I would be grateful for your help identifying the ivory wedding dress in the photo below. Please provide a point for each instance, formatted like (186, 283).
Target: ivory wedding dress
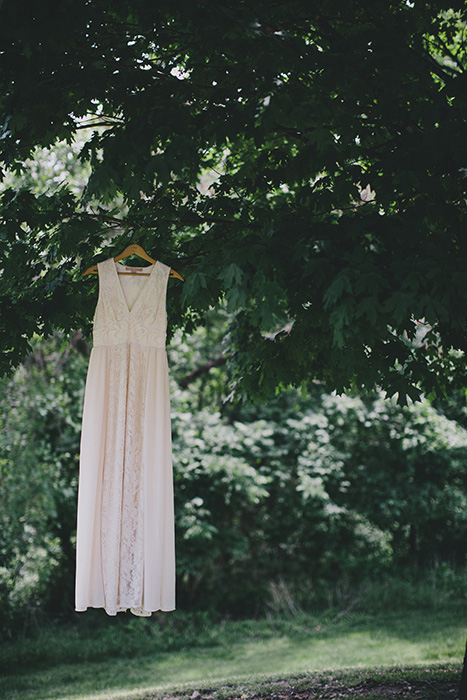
(125, 555)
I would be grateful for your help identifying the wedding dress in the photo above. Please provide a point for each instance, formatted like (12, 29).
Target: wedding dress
(125, 555)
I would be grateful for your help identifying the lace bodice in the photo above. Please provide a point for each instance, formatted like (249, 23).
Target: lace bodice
(116, 322)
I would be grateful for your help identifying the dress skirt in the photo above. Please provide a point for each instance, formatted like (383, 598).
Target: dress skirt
(125, 540)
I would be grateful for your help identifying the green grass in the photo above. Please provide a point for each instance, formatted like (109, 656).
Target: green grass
(132, 658)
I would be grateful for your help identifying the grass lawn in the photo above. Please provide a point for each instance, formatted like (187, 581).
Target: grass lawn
(305, 657)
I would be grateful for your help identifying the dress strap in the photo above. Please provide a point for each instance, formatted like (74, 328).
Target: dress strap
(109, 297)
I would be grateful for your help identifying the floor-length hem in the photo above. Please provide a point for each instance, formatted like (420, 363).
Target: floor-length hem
(145, 613)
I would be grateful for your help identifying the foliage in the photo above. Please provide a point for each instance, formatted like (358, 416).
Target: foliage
(318, 490)
(41, 424)
(302, 161)
(294, 504)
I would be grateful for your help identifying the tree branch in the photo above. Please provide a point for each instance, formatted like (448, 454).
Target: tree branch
(442, 46)
(194, 220)
(217, 362)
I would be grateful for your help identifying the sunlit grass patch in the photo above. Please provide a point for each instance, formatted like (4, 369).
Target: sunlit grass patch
(128, 659)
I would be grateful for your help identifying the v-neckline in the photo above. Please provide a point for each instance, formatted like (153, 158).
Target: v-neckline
(142, 290)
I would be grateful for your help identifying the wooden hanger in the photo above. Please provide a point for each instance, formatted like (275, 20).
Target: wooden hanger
(133, 249)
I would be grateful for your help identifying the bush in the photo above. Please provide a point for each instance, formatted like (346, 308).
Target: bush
(293, 504)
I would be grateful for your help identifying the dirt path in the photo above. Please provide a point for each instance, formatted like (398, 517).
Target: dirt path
(422, 684)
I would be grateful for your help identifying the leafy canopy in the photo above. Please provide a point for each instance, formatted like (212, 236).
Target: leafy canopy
(303, 163)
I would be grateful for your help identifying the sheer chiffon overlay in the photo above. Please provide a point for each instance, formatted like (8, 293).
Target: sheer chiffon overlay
(125, 553)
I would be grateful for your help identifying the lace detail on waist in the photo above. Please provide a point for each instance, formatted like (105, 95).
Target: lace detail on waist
(130, 335)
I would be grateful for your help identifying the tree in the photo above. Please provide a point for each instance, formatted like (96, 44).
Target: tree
(304, 161)
(39, 453)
